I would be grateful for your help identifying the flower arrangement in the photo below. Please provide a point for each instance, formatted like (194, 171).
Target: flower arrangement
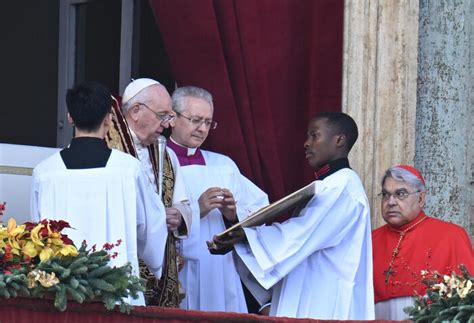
(447, 298)
(27, 243)
(37, 260)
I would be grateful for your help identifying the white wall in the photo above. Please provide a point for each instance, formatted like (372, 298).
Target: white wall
(16, 164)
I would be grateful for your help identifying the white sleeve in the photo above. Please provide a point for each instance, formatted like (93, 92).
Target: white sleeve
(180, 195)
(274, 251)
(186, 213)
(152, 232)
(249, 197)
(34, 196)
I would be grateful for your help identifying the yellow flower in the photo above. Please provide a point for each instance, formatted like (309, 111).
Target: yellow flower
(29, 249)
(35, 237)
(14, 233)
(3, 232)
(46, 253)
(13, 229)
(55, 239)
(68, 250)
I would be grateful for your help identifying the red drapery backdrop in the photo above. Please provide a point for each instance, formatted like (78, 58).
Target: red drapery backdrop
(270, 65)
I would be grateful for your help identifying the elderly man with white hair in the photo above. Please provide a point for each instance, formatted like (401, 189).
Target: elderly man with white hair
(146, 112)
(411, 242)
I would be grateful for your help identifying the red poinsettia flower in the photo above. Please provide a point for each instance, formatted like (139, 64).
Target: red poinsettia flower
(29, 226)
(58, 225)
(8, 253)
(43, 232)
(66, 239)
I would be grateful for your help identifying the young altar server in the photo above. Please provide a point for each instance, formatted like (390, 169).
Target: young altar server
(318, 263)
(103, 193)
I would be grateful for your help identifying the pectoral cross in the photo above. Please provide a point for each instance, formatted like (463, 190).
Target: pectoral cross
(395, 252)
(388, 273)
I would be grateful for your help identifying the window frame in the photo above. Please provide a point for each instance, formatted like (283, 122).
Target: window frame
(67, 58)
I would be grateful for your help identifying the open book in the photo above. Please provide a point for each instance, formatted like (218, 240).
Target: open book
(269, 212)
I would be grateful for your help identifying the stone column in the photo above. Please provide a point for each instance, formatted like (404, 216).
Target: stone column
(444, 135)
(379, 87)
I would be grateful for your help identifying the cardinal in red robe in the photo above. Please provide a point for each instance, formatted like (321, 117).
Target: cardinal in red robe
(411, 242)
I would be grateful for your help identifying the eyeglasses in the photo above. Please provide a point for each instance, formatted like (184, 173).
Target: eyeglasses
(198, 122)
(399, 195)
(162, 117)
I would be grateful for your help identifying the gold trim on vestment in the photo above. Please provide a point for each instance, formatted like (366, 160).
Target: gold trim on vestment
(165, 291)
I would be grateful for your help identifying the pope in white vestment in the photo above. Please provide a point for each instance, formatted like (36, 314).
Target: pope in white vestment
(318, 264)
(211, 281)
(104, 204)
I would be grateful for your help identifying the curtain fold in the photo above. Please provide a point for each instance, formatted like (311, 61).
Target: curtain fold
(270, 65)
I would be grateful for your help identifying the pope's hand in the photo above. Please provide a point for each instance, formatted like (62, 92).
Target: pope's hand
(173, 218)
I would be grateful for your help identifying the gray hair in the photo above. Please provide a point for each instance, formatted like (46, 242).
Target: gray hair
(179, 97)
(402, 175)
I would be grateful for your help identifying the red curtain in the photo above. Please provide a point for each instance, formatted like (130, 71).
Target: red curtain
(270, 65)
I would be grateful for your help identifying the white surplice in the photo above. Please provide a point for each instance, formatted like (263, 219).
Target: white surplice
(211, 281)
(104, 205)
(180, 198)
(319, 263)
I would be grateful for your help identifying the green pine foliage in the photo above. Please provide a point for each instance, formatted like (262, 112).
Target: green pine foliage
(86, 277)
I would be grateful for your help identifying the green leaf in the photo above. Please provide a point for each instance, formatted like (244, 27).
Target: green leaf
(74, 283)
(99, 271)
(77, 295)
(60, 301)
(102, 284)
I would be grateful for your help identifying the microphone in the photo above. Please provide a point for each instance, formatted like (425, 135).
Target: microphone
(161, 157)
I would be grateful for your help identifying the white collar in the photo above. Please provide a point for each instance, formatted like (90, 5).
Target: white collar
(138, 144)
(190, 151)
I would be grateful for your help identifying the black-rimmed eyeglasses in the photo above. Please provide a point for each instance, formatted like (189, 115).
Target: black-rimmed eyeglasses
(198, 122)
(162, 117)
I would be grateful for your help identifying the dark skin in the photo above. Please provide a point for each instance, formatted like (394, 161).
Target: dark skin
(323, 144)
